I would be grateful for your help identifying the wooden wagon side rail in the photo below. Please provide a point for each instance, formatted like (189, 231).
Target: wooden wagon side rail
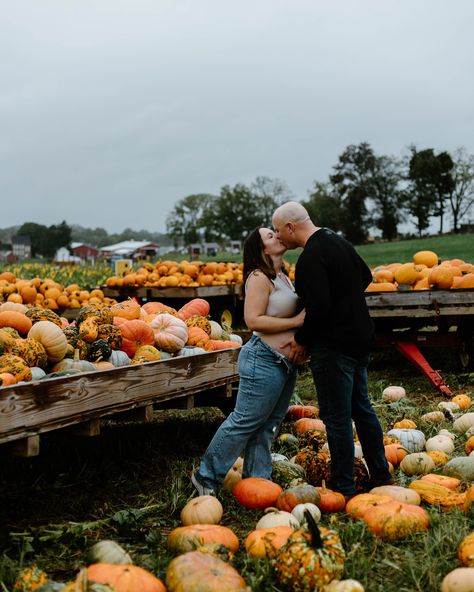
(37, 407)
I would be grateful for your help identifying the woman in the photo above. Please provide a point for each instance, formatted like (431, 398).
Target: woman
(267, 377)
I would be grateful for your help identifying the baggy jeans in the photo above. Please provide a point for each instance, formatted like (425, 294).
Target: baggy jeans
(267, 380)
(342, 392)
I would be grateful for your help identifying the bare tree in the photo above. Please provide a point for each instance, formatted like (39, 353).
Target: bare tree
(461, 198)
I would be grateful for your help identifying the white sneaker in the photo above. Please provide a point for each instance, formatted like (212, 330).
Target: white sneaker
(200, 488)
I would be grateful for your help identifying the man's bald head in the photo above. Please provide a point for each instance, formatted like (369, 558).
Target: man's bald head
(291, 211)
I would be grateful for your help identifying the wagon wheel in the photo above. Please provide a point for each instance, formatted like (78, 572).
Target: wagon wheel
(464, 357)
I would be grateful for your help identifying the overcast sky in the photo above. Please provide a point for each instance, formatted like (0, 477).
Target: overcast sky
(111, 111)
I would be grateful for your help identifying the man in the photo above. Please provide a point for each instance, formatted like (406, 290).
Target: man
(338, 333)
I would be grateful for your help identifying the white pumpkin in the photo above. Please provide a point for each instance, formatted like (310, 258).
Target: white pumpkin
(274, 517)
(236, 338)
(433, 417)
(190, 350)
(443, 443)
(398, 493)
(411, 439)
(107, 551)
(449, 406)
(417, 463)
(278, 456)
(216, 330)
(344, 586)
(393, 393)
(460, 579)
(464, 422)
(447, 433)
(299, 510)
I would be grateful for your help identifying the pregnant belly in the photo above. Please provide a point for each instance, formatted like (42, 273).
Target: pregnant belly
(278, 341)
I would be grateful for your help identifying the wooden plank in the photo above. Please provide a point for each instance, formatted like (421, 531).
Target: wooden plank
(143, 414)
(86, 429)
(24, 447)
(41, 406)
(422, 313)
(420, 298)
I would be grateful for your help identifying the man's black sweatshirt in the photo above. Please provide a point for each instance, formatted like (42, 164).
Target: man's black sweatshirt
(330, 279)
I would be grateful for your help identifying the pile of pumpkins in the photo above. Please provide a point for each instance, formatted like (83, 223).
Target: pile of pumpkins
(425, 272)
(47, 293)
(36, 343)
(180, 274)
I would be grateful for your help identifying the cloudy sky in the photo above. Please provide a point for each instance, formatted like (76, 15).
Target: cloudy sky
(111, 111)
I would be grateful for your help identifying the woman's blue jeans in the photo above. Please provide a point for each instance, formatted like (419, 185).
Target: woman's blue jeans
(267, 380)
(341, 386)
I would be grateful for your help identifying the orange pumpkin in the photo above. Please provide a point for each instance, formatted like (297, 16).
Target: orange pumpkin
(197, 336)
(7, 379)
(216, 344)
(256, 492)
(154, 307)
(189, 538)
(329, 500)
(305, 424)
(16, 320)
(128, 309)
(298, 411)
(124, 578)
(266, 542)
(395, 453)
(198, 571)
(196, 306)
(135, 333)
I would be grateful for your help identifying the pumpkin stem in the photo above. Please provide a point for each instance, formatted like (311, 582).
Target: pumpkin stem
(323, 486)
(316, 540)
(76, 354)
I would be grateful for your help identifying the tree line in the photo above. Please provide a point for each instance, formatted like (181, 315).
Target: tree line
(365, 193)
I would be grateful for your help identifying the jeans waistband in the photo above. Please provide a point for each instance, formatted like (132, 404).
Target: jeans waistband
(255, 339)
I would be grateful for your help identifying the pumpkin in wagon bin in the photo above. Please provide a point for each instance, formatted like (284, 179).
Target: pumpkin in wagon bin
(15, 365)
(128, 309)
(135, 333)
(16, 320)
(196, 306)
(52, 338)
(310, 559)
(170, 332)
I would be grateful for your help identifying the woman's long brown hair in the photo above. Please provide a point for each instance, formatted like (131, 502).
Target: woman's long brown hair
(255, 259)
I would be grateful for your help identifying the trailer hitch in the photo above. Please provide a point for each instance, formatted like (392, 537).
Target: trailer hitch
(414, 355)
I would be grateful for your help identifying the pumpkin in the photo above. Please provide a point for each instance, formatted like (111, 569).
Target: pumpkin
(438, 495)
(216, 330)
(197, 336)
(287, 444)
(170, 332)
(461, 467)
(11, 364)
(266, 542)
(196, 306)
(399, 494)
(443, 443)
(190, 350)
(32, 351)
(7, 341)
(445, 481)
(274, 517)
(428, 258)
(108, 552)
(464, 422)
(329, 500)
(216, 344)
(51, 337)
(305, 424)
(7, 379)
(30, 578)
(298, 494)
(128, 309)
(89, 329)
(464, 401)
(285, 472)
(119, 358)
(103, 365)
(395, 453)
(234, 474)
(200, 322)
(358, 505)
(204, 509)
(149, 352)
(411, 439)
(16, 320)
(124, 578)
(433, 417)
(310, 559)
(135, 333)
(16, 306)
(202, 572)
(449, 406)
(417, 463)
(99, 350)
(256, 492)
(344, 586)
(299, 512)
(469, 445)
(466, 550)
(439, 457)
(393, 393)
(298, 411)
(188, 538)
(111, 334)
(408, 424)
(394, 520)
(460, 579)
(75, 363)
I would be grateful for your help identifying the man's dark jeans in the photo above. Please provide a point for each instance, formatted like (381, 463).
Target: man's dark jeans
(341, 385)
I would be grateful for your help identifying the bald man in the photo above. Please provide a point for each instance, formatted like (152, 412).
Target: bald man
(338, 334)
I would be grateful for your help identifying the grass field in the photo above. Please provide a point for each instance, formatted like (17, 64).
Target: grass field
(130, 483)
